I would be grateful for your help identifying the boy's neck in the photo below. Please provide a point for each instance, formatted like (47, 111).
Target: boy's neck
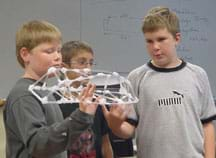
(27, 75)
(174, 64)
(179, 66)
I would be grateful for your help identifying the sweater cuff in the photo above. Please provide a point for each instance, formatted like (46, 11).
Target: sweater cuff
(82, 117)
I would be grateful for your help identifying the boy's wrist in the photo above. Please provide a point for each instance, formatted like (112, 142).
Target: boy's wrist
(82, 116)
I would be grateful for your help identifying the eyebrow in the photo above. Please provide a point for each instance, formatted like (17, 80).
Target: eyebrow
(83, 58)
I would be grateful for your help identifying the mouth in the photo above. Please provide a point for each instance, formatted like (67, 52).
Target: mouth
(158, 56)
(57, 66)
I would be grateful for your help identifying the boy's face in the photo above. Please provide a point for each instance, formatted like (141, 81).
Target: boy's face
(161, 46)
(82, 60)
(41, 58)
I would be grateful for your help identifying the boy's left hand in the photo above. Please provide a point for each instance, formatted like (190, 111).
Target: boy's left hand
(88, 104)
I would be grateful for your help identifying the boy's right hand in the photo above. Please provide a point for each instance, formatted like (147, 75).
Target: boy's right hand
(88, 104)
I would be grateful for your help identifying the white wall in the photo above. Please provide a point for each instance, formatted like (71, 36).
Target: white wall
(65, 14)
(113, 28)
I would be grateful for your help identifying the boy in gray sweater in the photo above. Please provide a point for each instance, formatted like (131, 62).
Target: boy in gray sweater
(33, 129)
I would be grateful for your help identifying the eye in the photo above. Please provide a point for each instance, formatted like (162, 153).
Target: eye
(149, 41)
(82, 62)
(49, 50)
(59, 50)
(161, 39)
(92, 62)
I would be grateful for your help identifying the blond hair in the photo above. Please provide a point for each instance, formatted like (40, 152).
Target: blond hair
(161, 17)
(33, 33)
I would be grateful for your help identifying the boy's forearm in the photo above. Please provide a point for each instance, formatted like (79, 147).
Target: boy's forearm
(106, 147)
(61, 136)
(125, 131)
(209, 140)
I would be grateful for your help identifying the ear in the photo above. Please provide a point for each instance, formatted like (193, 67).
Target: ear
(24, 54)
(178, 37)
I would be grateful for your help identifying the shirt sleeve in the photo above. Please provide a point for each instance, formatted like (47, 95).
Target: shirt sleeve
(41, 138)
(208, 112)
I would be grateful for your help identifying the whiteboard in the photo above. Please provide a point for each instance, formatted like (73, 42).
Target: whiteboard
(65, 14)
(113, 28)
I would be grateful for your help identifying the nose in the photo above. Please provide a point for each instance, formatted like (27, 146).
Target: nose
(88, 65)
(155, 45)
(57, 56)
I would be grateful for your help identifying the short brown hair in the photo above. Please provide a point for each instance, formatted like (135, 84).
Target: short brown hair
(161, 17)
(72, 48)
(33, 33)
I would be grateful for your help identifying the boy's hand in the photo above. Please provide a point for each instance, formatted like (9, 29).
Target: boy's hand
(115, 116)
(88, 104)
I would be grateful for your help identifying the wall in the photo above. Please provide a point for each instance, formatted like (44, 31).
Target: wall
(113, 28)
(64, 13)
